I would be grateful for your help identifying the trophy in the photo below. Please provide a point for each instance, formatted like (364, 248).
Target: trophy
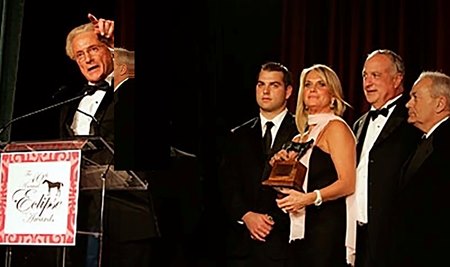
(291, 173)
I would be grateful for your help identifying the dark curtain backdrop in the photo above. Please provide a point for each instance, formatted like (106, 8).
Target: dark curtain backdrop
(11, 14)
(197, 63)
(125, 24)
(341, 34)
(43, 66)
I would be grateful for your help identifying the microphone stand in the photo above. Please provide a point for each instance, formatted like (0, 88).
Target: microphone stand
(85, 92)
(8, 256)
(100, 233)
(102, 207)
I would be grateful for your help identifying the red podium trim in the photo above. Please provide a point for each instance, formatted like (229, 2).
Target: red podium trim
(39, 197)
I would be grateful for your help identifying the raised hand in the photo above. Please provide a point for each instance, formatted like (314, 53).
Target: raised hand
(104, 28)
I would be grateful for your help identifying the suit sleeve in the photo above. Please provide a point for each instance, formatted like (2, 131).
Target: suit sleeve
(230, 181)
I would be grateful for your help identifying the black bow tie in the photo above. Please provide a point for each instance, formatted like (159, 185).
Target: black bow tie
(384, 111)
(90, 89)
(102, 85)
(374, 113)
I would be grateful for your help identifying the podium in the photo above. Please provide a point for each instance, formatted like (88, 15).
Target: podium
(43, 184)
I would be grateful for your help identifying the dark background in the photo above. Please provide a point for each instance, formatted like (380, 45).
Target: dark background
(197, 63)
(197, 60)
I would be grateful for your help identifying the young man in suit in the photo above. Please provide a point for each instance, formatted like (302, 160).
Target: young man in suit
(422, 205)
(258, 231)
(384, 141)
(129, 221)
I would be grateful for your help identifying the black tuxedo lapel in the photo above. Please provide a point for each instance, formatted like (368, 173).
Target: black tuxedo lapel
(103, 111)
(116, 97)
(393, 122)
(257, 143)
(66, 118)
(397, 117)
(68, 113)
(106, 101)
(361, 131)
(284, 134)
(424, 149)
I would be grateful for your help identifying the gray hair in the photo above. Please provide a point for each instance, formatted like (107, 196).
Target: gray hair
(124, 56)
(397, 61)
(440, 84)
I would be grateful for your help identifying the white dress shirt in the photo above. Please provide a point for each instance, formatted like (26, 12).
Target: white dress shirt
(362, 171)
(87, 108)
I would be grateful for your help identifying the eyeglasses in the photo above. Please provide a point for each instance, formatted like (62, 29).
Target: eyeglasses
(92, 50)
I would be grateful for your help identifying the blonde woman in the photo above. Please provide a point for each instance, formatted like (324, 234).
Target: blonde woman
(318, 213)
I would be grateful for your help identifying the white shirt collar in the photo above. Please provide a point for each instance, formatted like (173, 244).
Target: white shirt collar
(108, 79)
(388, 102)
(276, 120)
(119, 84)
(435, 126)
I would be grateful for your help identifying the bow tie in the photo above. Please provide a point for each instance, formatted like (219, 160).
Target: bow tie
(374, 113)
(90, 89)
(383, 112)
(102, 85)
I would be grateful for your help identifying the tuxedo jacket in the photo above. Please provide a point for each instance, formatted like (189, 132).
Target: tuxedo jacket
(392, 147)
(241, 172)
(128, 214)
(125, 135)
(103, 121)
(422, 209)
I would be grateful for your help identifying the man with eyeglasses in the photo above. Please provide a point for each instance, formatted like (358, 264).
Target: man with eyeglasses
(92, 52)
(129, 223)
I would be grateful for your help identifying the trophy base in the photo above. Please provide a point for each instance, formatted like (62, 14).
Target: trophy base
(287, 174)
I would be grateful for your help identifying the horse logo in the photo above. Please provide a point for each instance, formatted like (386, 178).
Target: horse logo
(51, 185)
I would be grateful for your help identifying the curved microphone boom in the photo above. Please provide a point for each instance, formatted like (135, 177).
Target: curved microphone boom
(84, 92)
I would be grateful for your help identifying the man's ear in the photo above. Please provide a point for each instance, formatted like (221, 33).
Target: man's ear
(398, 80)
(441, 104)
(123, 69)
(288, 91)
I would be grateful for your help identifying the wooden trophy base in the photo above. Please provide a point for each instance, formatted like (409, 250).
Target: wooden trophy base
(287, 174)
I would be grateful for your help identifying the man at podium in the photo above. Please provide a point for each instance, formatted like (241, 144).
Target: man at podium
(129, 223)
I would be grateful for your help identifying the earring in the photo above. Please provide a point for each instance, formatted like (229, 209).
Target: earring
(332, 103)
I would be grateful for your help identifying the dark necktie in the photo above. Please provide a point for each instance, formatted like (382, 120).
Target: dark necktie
(267, 139)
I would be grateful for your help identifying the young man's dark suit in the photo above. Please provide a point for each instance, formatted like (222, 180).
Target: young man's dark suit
(422, 206)
(129, 217)
(241, 172)
(386, 157)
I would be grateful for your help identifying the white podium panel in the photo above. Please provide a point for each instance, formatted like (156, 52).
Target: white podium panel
(39, 197)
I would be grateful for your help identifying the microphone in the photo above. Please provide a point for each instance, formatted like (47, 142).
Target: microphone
(84, 92)
(89, 90)
(61, 90)
(89, 115)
